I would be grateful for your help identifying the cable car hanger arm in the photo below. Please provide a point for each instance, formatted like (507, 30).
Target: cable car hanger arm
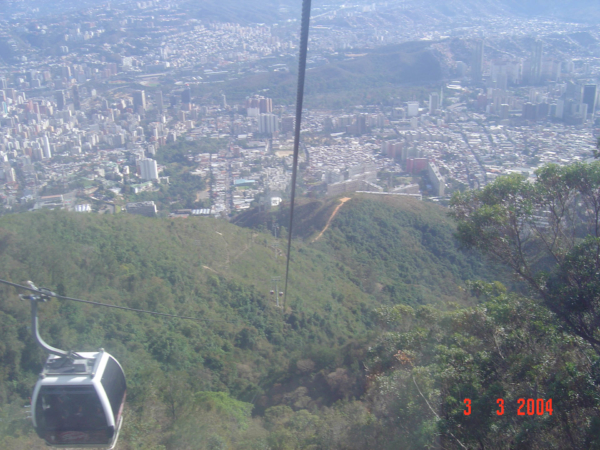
(35, 330)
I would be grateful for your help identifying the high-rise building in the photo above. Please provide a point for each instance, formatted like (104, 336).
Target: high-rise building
(10, 174)
(268, 123)
(265, 105)
(65, 72)
(579, 112)
(412, 108)
(543, 109)
(3, 83)
(76, 101)
(186, 95)
(530, 111)
(47, 151)
(37, 153)
(434, 103)
(147, 208)
(560, 108)
(139, 101)
(158, 98)
(569, 67)
(589, 98)
(502, 81)
(551, 69)
(11, 93)
(148, 169)
(60, 100)
(574, 91)
(392, 149)
(361, 124)
(436, 179)
(536, 62)
(416, 165)
(477, 63)
(533, 95)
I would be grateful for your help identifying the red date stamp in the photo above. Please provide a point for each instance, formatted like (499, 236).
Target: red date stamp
(526, 407)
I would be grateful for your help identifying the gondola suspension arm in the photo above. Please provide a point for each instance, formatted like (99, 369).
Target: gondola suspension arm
(35, 330)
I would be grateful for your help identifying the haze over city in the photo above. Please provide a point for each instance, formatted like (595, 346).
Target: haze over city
(403, 98)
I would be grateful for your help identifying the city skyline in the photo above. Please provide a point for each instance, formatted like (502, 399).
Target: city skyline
(91, 113)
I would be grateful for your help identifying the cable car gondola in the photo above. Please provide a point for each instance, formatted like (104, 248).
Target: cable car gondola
(78, 401)
(79, 397)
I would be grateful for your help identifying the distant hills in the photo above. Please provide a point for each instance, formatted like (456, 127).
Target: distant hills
(358, 71)
(575, 10)
(243, 12)
(271, 11)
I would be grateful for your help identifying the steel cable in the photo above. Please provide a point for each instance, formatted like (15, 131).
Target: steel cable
(299, 99)
(48, 293)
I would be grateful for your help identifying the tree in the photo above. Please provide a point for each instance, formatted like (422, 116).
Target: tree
(548, 233)
(212, 420)
(427, 362)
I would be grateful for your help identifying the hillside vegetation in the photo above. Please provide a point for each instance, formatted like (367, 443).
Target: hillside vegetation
(397, 248)
(255, 354)
(385, 343)
(341, 82)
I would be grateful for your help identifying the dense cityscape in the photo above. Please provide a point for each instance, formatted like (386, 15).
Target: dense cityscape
(94, 105)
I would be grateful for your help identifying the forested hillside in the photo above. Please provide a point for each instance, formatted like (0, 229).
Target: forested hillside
(398, 249)
(307, 357)
(382, 340)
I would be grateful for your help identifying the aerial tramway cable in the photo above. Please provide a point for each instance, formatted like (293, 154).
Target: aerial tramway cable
(48, 293)
(299, 98)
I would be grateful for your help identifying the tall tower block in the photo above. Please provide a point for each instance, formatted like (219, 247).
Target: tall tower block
(477, 61)
(536, 62)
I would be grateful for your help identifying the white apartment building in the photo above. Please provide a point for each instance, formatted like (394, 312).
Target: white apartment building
(148, 169)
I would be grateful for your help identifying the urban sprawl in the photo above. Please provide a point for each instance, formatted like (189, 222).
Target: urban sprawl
(83, 119)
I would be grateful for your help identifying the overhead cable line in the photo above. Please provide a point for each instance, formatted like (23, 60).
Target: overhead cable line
(299, 98)
(48, 293)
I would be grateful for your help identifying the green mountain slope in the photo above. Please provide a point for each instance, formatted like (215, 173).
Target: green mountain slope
(198, 267)
(374, 253)
(396, 248)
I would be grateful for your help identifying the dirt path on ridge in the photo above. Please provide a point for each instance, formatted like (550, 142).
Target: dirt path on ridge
(343, 200)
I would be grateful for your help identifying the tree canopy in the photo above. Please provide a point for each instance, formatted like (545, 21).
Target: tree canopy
(548, 232)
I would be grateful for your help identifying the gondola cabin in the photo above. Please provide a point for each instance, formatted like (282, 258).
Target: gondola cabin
(78, 401)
